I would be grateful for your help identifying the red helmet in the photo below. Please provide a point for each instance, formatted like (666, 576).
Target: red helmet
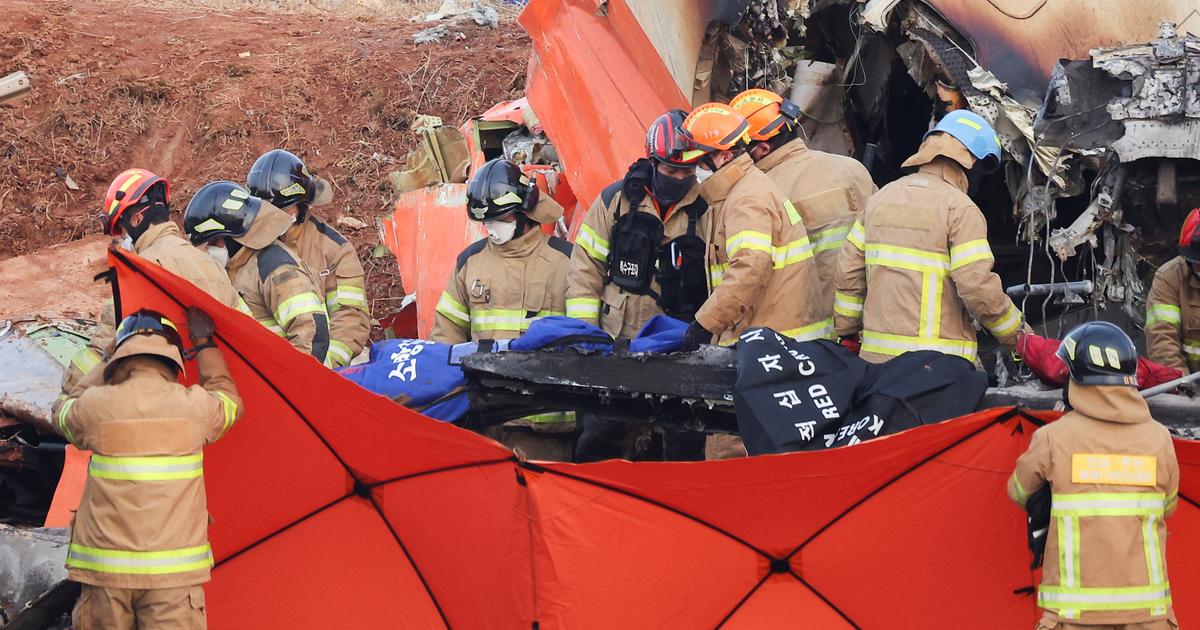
(128, 190)
(1189, 237)
(666, 140)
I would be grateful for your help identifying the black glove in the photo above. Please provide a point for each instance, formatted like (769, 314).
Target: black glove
(200, 326)
(1037, 510)
(695, 336)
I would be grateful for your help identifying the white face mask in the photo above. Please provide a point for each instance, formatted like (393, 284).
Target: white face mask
(219, 254)
(500, 232)
(127, 243)
(702, 174)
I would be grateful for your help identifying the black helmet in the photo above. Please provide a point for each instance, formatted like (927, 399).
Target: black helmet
(219, 209)
(281, 178)
(1100, 353)
(498, 189)
(146, 333)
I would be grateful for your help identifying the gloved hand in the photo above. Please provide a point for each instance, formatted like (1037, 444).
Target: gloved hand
(1039, 354)
(200, 326)
(851, 343)
(695, 336)
(1150, 374)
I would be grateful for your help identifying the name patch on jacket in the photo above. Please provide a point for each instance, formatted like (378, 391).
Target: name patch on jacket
(1114, 470)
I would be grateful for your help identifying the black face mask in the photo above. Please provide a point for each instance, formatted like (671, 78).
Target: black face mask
(669, 190)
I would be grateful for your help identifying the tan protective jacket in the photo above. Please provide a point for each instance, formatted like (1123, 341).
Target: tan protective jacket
(333, 259)
(497, 291)
(164, 245)
(1173, 317)
(143, 519)
(278, 288)
(590, 297)
(1113, 477)
(760, 262)
(829, 191)
(917, 265)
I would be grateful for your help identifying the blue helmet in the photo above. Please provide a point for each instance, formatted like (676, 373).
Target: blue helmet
(975, 133)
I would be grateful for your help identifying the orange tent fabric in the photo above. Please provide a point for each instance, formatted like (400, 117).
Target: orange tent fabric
(334, 507)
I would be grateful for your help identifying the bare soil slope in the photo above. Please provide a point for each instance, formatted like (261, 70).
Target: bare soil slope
(172, 88)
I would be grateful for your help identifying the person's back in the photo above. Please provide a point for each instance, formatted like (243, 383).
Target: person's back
(917, 266)
(1113, 477)
(139, 542)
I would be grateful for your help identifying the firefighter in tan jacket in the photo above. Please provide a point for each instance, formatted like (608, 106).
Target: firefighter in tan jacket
(616, 285)
(282, 179)
(917, 265)
(760, 261)
(1173, 307)
(828, 190)
(279, 289)
(1113, 480)
(139, 542)
(137, 211)
(502, 283)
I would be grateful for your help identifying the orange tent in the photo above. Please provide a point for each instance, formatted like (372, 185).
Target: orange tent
(334, 507)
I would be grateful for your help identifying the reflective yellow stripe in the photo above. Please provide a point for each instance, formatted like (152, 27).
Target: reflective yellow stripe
(907, 258)
(1191, 347)
(748, 239)
(969, 252)
(583, 308)
(931, 305)
(231, 410)
(895, 345)
(147, 468)
(270, 325)
(1163, 313)
(63, 412)
(794, 252)
(716, 274)
(548, 313)
(1006, 325)
(831, 238)
(139, 562)
(85, 360)
(551, 418)
(242, 307)
(591, 243)
(453, 310)
(1154, 556)
(339, 354)
(1069, 601)
(346, 295)
(818, 330)
(298, 305)
(792, 215)
(1022, 496)
(857, 236)
(847, 305)
(1109, 504)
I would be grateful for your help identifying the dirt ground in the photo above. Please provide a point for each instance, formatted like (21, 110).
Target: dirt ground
(196, 91)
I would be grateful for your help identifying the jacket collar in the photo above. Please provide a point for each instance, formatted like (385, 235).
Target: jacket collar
(155, 232)
(269, 225)
(946, 170)
(716, 188)
(1110, 403)
(791, 150)
(522, 246)
(140, 367)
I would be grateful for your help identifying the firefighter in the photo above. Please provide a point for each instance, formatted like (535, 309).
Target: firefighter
(505, 281)
(643, 228)
(827, 190)
(282, 179)
(640, 252)
(136, 214)
(1173, 307)
(916, 265)
(760, 261)
(139, 542)
(278, 288)
(1113, 478)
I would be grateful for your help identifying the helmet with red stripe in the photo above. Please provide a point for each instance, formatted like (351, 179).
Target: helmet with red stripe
(667, 141)
(134, 187)
(1189, 237)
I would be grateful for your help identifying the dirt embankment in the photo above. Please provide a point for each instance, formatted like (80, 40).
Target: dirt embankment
(196, 95)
